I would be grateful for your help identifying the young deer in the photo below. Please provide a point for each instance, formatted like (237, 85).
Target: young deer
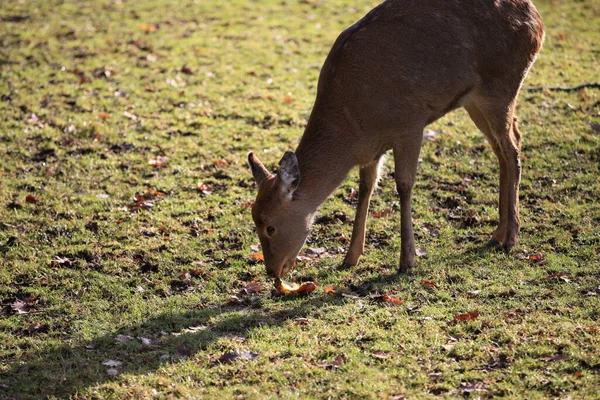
(401, 67)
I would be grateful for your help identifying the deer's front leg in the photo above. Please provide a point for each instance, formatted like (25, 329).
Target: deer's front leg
(368, 181)
(406, 159)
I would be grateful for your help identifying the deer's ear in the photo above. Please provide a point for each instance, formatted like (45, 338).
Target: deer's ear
(259, 172)
(289, 173)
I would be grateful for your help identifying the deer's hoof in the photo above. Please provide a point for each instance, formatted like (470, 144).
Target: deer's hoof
(492, 244)
(346, 265)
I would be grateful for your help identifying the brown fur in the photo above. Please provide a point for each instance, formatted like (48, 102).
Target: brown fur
(401, 67)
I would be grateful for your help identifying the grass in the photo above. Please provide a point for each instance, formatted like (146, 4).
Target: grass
(102, 100)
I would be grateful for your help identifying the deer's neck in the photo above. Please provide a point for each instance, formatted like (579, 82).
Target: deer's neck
(324, 160)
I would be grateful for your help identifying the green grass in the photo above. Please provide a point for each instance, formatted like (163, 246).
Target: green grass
(114, 84)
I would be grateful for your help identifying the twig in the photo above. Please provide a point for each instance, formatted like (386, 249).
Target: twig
(595, 85)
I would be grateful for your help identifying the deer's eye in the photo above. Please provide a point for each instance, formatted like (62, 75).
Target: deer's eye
(270, 230)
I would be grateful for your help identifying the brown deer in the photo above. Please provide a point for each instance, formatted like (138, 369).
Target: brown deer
(401, 67)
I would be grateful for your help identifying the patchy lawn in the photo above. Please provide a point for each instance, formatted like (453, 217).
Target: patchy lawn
(127, 251)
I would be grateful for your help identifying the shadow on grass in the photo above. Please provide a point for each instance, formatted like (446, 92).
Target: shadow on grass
(66, 370)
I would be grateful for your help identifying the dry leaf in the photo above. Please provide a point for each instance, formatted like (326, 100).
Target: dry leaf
(428, 284)
(381, 355)
(123, 338)
(473, 293)
(421, 251)
(204, 188)
(31, 199)
(285, 288)
(159, 161)
(339, 360)
(389, 299)
(147, 27)
(233, 356)
(466, 317)
(253, 288)
(258, 256)
(112, 363)
(329, 289)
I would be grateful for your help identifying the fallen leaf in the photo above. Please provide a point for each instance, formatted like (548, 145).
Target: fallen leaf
(112, 363)
(560, 357)
(473, 293)
(428, 284)
(389, 299)
(147, 27)
(37, 327)
(145, 341)
(204, 188)
(302, 321)
(258, 256)
(221, 163)
(130, 115)
(253, 288)
(381, 355)
(159, 161)
(20, 307)
(233, 356)
(382, 214)
(112, 372)
(421, 251)
(329, 289)
(104, 116)
(537, 259)
(472, 387)
(285, 288)
(123, 338)
(183, 350)
(31, 199)
(337, 361)
(466, 317)
(316, 251)
(187, 70)
(430, 134)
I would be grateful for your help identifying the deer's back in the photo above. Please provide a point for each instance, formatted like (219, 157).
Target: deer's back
(416, 59)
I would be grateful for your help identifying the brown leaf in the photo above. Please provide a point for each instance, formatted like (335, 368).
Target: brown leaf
(183, 350)
(421, 251)
(392, 300)
(382, 214)
(104, 116)
(221, 163)
(381, 355)
(329, 289)
(31, 199)
(187, 70)
(466, 317)
(337, 361)
(428, 284)
(303, 290)
(253, 288)
(20, 307)
(258, 256)
(538, 259)
(560, 357)
(159, 161)
(233, 356)
(204, 188)
(147, 27)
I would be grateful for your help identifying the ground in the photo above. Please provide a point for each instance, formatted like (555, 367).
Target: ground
(129, 265)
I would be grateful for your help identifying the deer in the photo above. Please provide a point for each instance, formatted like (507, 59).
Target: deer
(404, 65)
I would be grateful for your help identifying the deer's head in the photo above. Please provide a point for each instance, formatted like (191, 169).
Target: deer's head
(282, 220)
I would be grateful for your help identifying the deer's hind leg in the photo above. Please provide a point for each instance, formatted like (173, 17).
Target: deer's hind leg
(495, 118)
